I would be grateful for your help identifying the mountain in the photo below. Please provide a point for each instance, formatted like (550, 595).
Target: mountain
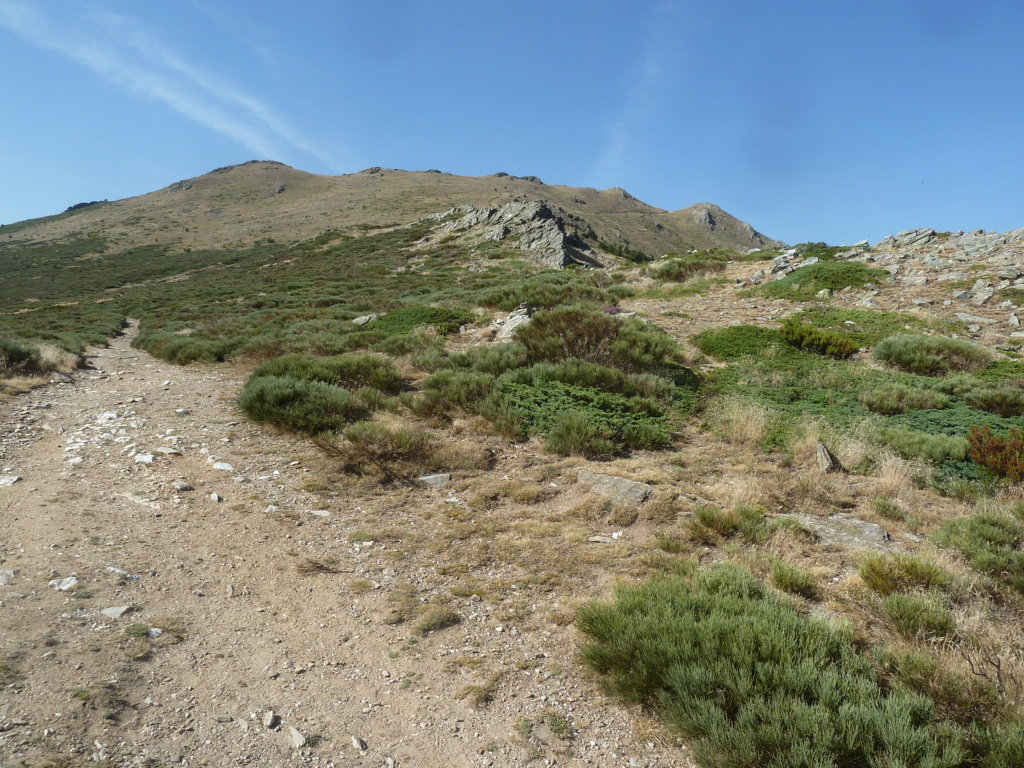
(248, 203)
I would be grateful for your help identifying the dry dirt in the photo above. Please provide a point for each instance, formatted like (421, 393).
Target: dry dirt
(244, 629)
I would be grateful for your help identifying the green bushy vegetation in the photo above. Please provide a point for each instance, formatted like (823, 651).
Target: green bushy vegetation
(352, 370)
(679, 269)
(405, 319)
(867, 327)
(887, 574)
(817, 340)
(803, 284)
(18, 358)
(991, 543)
(736, 341)
(917, 616)
(634, 255)
(931, 355)
(894, 399)
(310, 407)
(747, 680)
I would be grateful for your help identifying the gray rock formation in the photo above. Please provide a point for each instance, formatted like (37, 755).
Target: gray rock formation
(621, 492)
(551, 236)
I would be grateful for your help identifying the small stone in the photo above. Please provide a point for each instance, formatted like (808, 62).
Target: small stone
(827, 462)
(167, 450)
(364, 319)
(320, 512)
(270, 719)
(216, 498)
(144, 458)
(8, 480)
(358, 743)
(63, 585)
(116, 612)
(223, 718)
(223, 466)
(180, 486)
(600, 539)
(182, 411)
(621, 491)
(968, 318)
(1014, 321)
(75, 461)
(437, 481)
(6, 577)
(297, 739)
(154, 633)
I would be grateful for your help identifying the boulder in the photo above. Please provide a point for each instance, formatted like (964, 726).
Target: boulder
(846, 532)
(621, 492)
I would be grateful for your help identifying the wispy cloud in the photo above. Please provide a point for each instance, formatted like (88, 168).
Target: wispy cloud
(640, 101)
(126, 53)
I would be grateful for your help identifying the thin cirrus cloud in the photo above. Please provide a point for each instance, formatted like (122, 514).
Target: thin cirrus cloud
(122, 51)
(641, 99)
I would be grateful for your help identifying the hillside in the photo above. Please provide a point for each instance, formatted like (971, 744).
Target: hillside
(244, 204)
(417, 485)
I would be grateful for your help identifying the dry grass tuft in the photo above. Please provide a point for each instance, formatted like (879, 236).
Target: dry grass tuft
(741, 423)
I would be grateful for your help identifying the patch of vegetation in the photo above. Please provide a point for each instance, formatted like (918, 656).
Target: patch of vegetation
(634, 255)
(350, 370)
(991, 543)
(1003, 455)
(20, 359)
(803, 284)
(895, 399)
(747, 680)
(917, 616)
(796, 581)
(736, 341)
(806, 337)
(867, 327)
(405, 319)
(300, 405)
(679, 269)
(889, 574)
(931, 355)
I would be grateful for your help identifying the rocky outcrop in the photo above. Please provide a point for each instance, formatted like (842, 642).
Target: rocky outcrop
(549, 235)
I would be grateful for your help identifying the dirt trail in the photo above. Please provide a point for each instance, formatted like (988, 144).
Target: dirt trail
(242, 631)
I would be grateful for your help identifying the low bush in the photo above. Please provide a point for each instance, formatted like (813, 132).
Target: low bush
(1003, 455)
(546, 290)
(916, 616)
(895, 398)
(404, 319)
(817, 340)
(683, 268)
(991, 543)
(351, 370)
(865, 327)
(460, 387)
(748, 681)
(374, 448)
(748, 521)
(1003, 400)
(587, 334)
(803, 284)
(311, 407)
(574, 432)
(18, 358)
(794, 580)
(914, 444)
(888, 574)
(736, 341)
(931, 355)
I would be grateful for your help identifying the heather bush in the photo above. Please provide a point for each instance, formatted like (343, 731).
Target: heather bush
(931, 355)
(1002, 455)
(351, 370)
(895, 398)
(991, 543)
(300, 405)
(817, 340)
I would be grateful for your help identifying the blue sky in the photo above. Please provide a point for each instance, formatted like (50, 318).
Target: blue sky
(829, 121)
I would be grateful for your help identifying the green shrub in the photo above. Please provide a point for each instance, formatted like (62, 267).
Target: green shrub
(305, 406)
(794, 580)
(578, 332)
(931, 355)
(574, 432)
(391, 451)
(816, 340)
(746, 520)
(546, 290)
(914, 444)
(635, 422)
(916, 616)
(864, 327)
(1003, 400)
(991, 543)
(887, 574)
(352, 370)
(748, 681)
(803, 284)
(895, 398)
(580, 373)
(888, 508)
(19, 358)
(683, 268)
(1003, 455)
(460, 387)
(404, 319)
(736, 341)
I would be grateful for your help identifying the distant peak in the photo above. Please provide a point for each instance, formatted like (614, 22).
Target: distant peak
(226, 168)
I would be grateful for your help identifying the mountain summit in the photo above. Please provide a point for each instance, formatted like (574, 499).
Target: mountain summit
(257, 200)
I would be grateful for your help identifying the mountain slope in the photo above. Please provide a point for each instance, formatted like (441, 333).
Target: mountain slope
(246, 203)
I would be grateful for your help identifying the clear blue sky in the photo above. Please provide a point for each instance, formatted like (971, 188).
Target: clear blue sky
(817, 120)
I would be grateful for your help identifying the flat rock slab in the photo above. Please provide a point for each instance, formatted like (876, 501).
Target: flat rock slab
(969, 318)
(846, 532)
(8, 480)
(438, 481)
(621, 491)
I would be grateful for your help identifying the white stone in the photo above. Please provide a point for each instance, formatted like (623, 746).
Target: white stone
(63, 585)
(223, 466)
(8, 480)
(116, 612)
(144, 458)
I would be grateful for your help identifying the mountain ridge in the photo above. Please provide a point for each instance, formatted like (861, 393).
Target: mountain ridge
(256, 200)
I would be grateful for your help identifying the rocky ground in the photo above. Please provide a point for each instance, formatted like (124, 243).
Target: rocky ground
(173, 594)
